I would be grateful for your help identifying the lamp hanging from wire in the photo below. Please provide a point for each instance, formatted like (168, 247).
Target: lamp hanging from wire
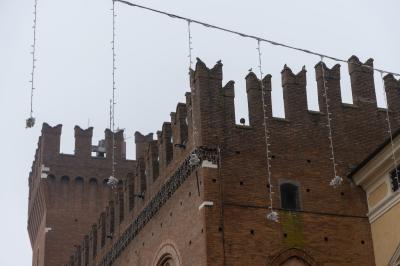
(336, 180)
(272, 215)
(194, 159)
(30, 121)
(112, 180)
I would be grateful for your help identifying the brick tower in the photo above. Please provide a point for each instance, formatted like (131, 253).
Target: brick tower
(67, 192)
(174, 209)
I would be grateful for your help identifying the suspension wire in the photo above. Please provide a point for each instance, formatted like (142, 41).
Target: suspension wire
(389, 126)
(245, 35)
(336, 180)
(272, 215)
(30, 122)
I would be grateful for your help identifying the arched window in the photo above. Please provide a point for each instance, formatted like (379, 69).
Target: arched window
(167, 255)
(79, 179)
(51, 177)
(64, 178)
(166, 260)
(93, 181)
(295, 261)
(289, 196)
(293, 257)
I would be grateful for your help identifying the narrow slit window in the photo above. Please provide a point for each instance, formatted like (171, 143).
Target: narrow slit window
(290, 197)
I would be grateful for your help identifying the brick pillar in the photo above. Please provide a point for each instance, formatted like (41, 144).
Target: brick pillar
(294, 93)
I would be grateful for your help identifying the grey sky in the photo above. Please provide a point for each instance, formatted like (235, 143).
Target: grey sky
(74, 69)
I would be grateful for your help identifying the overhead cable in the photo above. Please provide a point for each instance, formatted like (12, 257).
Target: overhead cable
(245, 35)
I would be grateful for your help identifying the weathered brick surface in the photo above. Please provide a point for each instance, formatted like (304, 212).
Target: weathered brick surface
(331, 228)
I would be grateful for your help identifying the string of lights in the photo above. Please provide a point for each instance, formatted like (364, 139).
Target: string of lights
(190, 45)
(194, 159)
(245, 35)
(389, 126)
(30, 122)
(336, 180)
(113, 181)
(272, 215)
(190, 48)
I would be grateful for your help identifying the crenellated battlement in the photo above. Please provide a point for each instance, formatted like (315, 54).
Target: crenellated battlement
(48, 157)
(207, 119)
(67, 191)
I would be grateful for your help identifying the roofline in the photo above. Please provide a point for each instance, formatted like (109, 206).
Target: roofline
(373, 154)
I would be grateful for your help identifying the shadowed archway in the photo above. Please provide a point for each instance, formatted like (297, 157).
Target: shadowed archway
(293, 257)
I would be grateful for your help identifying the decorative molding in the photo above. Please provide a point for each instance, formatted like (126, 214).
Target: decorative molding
(384, 206)
(380, 163)
(168, 248)
(295, 253)
(155, 204)
(395, 260)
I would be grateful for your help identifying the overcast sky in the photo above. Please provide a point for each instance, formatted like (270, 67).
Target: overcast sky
(74, 69)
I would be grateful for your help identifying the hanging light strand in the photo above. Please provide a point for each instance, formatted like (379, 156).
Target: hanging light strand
(30, 122)
(113, 181)
(190, 48)
(194, 158)
(390, 132)
(336, 180)
(272, 215)
(113, 90)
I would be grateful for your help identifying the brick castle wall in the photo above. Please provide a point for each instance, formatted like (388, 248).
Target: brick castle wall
(330, 228)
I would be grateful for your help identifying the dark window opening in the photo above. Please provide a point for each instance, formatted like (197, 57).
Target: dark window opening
(394, 179)
(86, 251)
(112, 217)
(121, 205)
(51, 177)
(131, 191)
(289, 197)
(103, 230)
